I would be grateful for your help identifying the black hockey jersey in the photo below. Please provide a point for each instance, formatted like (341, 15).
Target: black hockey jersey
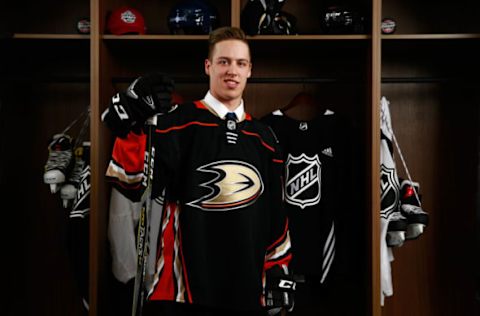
(313, 162)
(223, 223)
(78, 226)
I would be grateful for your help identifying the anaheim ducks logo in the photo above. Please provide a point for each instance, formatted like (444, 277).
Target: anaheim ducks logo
(236, 184)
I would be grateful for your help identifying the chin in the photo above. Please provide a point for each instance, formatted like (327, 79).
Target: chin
(231, 95)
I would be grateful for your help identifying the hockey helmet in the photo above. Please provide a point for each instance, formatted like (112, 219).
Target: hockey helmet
(281, 23)
(266, 17)
(342, 20)
(192, 17)
(251, 14)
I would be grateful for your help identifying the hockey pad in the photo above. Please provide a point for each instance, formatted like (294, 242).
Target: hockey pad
(279, 291)
(153, 93)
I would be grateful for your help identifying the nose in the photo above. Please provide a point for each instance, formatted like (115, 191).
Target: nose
(232, 69)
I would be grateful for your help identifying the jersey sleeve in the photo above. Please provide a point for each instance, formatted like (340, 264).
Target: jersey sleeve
(125, 173)
(125, 169)
(278, 253)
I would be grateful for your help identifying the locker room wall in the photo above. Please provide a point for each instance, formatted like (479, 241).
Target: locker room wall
(49, 74)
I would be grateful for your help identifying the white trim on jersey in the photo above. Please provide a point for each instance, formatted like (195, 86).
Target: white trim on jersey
(328, 253)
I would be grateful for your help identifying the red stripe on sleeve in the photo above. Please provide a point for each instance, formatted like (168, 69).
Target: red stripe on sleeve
(173, 128)
(261, 140)
(282, 261)
(281, 239)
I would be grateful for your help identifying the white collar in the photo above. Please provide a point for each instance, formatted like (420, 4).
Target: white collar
(221, 110)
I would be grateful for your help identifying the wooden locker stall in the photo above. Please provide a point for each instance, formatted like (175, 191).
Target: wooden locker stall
(336, 69)
(429, 75)
(44, 87)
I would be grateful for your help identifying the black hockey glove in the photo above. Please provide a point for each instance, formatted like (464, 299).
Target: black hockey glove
(146, 96)
(119, 117)
(153, 92)
(279, 290)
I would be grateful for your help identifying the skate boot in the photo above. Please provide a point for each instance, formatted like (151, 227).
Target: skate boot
(397, 227)
(59, 161)
(410, 207)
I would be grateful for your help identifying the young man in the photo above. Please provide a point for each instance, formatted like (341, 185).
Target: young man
(223, 240)
(228, 65)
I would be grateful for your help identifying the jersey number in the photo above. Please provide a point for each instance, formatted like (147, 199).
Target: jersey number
(122, 114)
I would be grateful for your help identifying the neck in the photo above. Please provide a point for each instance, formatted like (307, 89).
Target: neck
(232, 107)
(230, 104)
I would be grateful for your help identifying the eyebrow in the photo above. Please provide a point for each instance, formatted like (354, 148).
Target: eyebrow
(239, 59)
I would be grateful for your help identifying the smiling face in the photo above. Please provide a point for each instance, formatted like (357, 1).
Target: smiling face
(229, 67)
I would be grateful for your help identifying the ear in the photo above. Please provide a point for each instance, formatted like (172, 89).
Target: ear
(249, 71)
(207, 67)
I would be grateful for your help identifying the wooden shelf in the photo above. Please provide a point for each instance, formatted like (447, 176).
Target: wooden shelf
(155, 37)
(431, 36)
(310, 37)
(50, 36)
(254, 38)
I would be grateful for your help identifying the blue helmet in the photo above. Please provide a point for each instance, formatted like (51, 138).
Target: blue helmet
(192, 17)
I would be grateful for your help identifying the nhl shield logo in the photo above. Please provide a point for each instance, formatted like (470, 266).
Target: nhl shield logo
(303, 180)
(389, 190)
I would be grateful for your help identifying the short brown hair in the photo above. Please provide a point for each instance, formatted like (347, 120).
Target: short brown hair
(225, 33)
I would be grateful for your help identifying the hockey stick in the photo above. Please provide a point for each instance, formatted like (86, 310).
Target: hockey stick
(143, 225)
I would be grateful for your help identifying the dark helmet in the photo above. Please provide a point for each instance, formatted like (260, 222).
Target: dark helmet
(250, 16)
(279, 23)
(192, 17)
(342, 20)
(266, 17)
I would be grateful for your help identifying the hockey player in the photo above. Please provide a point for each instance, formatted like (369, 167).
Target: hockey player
(223, 239)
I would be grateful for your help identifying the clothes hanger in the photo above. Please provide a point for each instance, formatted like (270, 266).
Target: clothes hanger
(303, 107)
(301, 99)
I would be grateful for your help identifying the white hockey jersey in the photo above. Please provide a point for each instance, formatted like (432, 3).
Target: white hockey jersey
(390, 192)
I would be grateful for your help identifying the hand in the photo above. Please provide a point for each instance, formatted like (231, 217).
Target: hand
(119, 117)
(146, 96)
(153, 92)
(279, 289)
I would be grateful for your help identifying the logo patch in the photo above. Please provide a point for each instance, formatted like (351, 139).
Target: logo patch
(231, 125)
(389, 190)
(303, 126)
(236, 184)
(149, 101)
(328, 152)
(303, 180)
(128, 17)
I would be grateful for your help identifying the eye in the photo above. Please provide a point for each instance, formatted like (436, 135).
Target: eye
(222, 62)
(243, 63)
